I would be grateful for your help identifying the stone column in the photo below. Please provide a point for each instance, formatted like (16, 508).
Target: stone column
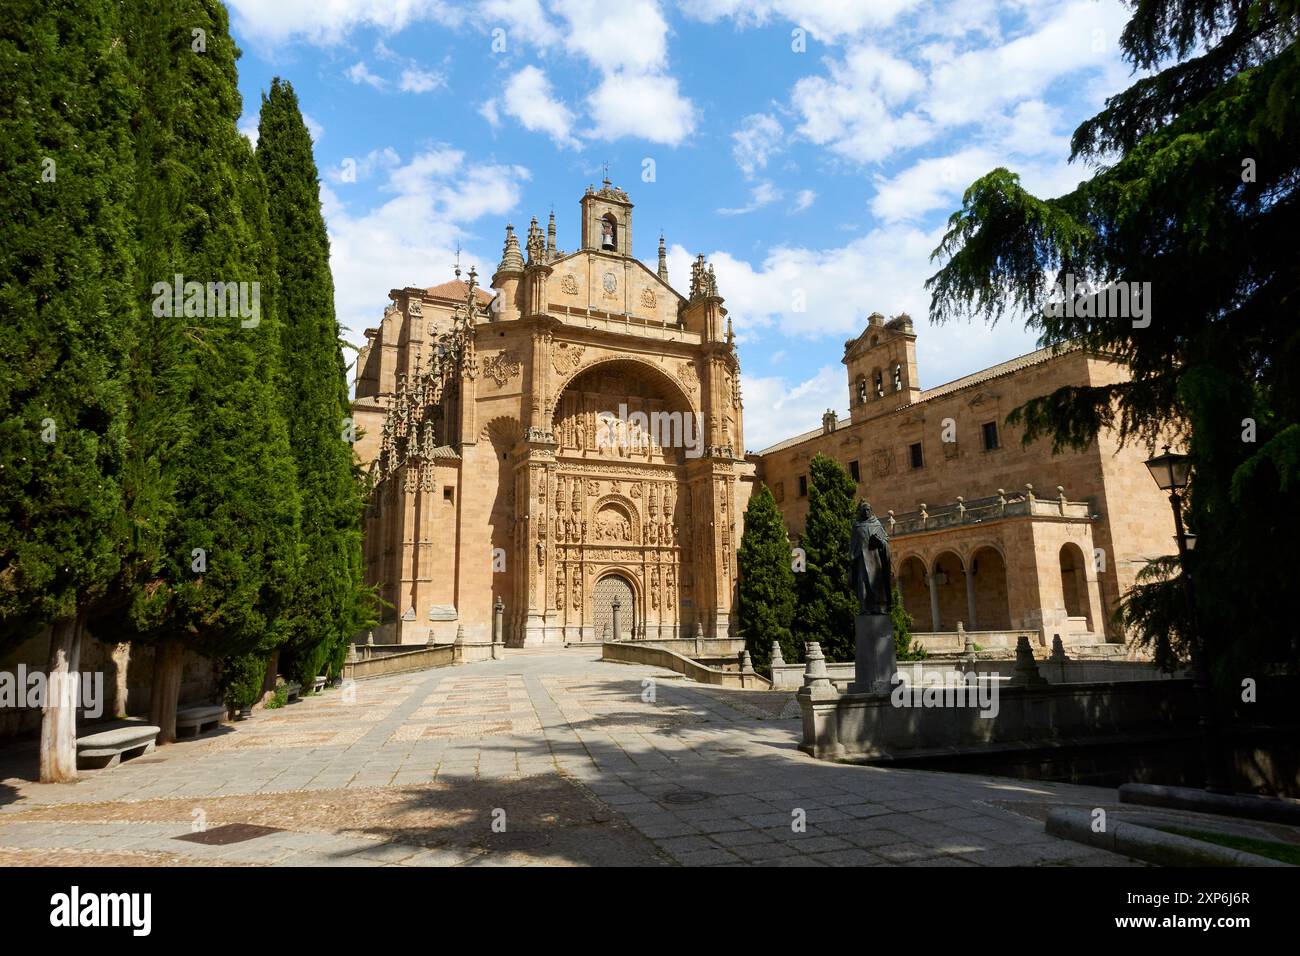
(970, 598)
(616, 611)
(778, 660)
(498, 626)
(934, 601)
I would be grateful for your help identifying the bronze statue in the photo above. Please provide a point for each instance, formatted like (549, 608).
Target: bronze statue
(870, 571)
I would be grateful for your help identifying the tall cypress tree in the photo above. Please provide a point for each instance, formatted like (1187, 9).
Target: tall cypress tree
(765, 595)
(827, 606)
(324, 609)
(216, 505)
(65, 283)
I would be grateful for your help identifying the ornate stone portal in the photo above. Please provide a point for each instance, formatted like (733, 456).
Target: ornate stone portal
(593, 453)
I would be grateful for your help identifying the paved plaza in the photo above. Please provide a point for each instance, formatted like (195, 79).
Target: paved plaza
(548, 757)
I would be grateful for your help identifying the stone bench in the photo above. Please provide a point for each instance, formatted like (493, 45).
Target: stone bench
(318, 684)
(199, 717)
(292, 692)
(109, 747)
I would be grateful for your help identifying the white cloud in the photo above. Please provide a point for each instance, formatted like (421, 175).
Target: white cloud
(872, 103)
(327, 22)
(490, 113)
(763, 194)
(804, 199)
(858, 110)
(529, 99)
(249, 128)
(410, 239)
(362, 169)
(649, 107)
(826, 294)
(360, 73)
(758, 137)
(524, 21)
(629, 36)
(416, 79)
(779, 410)
(314, 129)
(827, 20)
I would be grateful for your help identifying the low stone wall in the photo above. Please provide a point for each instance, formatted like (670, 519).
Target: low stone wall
(790, 676)
(872, 726)
(400, 662)
(641, 652)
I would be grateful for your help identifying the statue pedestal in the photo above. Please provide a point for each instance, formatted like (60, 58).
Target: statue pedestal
(875, 662)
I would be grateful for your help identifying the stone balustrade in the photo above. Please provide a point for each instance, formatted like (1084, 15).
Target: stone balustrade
(965, 511)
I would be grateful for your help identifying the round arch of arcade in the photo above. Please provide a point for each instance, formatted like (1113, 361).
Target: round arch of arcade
(942, 585)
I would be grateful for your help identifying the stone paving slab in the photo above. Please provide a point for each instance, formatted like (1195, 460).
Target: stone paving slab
(563, 750)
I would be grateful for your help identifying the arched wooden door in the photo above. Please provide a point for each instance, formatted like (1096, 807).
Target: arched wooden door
(607, 590)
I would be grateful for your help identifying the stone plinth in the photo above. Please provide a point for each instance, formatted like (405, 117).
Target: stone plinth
(875, 661)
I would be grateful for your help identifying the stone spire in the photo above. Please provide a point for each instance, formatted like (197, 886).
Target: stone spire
(663, 260)
(534, 245)
(550, 238)
(511, 260)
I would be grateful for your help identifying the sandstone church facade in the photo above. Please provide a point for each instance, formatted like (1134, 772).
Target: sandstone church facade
(571, 439)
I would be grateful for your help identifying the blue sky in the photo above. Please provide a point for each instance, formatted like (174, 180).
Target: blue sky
(812, 151)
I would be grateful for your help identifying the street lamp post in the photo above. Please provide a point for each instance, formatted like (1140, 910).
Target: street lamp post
(1171, 472)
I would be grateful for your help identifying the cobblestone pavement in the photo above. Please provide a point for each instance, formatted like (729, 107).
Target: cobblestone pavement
(577, 761)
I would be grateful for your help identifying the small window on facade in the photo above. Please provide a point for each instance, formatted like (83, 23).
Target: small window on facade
(853, 470)
(990, 436)
(862, 390)
(448, 494)
(803, 486)
(880, 385)
(898, 378)
(916, 454)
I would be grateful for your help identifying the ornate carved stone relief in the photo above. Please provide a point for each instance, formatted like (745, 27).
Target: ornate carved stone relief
(566, 358)
(502, 367)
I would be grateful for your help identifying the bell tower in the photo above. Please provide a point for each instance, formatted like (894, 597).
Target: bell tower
(607, 219)
(882, 367)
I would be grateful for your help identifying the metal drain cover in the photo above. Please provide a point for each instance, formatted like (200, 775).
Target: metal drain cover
(230, 833)
(516, 840)
(686, 796)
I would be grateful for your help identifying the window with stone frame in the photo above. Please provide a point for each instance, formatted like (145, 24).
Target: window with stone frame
(989, 431)
(916, 454)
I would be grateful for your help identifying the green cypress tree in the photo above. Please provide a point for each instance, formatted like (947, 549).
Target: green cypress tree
(324, 611)
(215, 502)
(765, 594)
(826, 606)
(65, 294)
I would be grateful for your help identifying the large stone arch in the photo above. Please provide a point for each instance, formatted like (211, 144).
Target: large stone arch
(1074, 582)
(948, 569)
(988, 568)
(913, 587)
(560, 386)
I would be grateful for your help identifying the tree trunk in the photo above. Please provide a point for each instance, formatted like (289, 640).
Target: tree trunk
(167, 662)
(62, 693)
